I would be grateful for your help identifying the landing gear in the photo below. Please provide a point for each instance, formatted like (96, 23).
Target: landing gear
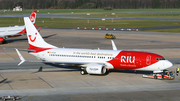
(40, 69)
(107, 72)
(83, 71)
(155, 76)
(4, 42)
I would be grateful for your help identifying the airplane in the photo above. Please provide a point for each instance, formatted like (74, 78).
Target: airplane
(91, 61)
(15, 31)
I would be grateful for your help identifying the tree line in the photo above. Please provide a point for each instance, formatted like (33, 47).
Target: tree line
(89, 4)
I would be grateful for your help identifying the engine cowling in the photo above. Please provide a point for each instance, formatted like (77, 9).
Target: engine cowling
(1, 39)
(96, 69)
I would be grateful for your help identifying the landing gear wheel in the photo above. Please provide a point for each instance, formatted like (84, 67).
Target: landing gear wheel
(83, 72)
(107, 72)
(4, 42)
(155, 77)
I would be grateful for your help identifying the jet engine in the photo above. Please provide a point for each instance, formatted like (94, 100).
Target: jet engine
(94, 69)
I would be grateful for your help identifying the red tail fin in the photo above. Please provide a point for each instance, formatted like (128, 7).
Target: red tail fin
(33, 17)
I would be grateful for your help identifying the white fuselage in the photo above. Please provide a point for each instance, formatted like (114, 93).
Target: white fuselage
(77, 56)
(110, 58)
(91, 61)
(10, 31)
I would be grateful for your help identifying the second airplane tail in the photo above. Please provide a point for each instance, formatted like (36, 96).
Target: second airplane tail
(33, 17)
(36, 42)
(33, 20)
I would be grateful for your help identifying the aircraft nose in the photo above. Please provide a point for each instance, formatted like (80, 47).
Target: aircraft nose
(167, 64)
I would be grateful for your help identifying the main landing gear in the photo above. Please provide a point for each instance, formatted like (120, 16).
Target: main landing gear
(4, 42)
(83, 72)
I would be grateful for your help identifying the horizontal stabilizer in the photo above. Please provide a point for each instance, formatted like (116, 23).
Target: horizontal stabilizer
(21, 57)
(21, 49)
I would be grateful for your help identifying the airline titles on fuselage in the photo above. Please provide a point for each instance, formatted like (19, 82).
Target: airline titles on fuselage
(123, 59)
(88, 53)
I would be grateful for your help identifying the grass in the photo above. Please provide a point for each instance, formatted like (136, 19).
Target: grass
(98, 23)
(135, 15)
(93, 23)
(45, 11)
(4, 22)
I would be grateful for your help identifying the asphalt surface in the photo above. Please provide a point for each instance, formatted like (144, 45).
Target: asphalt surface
(54, 82)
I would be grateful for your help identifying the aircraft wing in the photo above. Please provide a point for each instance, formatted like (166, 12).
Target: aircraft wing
(67, 63)
(83, 64)
(21, 49)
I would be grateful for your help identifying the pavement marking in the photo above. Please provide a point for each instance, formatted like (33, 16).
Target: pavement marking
(7, 82)
(31, 98)
(162, 96)
(44, 81)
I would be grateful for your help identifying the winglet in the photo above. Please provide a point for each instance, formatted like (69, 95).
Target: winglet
(113, 45)
(21, 57)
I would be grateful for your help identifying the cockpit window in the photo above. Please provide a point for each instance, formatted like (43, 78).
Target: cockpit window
(160, 59)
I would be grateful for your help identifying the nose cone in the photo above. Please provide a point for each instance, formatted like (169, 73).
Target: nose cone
(167, 64)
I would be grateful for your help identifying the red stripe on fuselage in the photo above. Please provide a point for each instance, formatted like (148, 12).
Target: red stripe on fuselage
(37, 49)
(133, 60)
(23, 31)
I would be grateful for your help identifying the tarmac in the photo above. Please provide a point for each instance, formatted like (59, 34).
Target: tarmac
(37, 81)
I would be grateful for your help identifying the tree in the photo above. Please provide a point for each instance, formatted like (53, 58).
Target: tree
(61, 4)
(156, 3)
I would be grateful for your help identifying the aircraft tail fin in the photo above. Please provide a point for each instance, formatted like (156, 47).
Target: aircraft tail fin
(36, 42)
(33, 17)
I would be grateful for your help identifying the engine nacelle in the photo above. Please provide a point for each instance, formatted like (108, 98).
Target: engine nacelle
(1, 39)
(95, 69)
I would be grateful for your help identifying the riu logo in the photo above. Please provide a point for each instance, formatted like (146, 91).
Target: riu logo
(32, 40)
(127, 59)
